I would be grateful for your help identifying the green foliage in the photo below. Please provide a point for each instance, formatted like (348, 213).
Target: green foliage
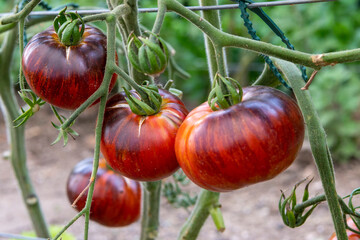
(337, 99)
(175, 194)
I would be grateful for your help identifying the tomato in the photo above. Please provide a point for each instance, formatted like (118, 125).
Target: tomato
(142, 147)
(351, 235)
(65, 76)
(116, 201)
(249, 142)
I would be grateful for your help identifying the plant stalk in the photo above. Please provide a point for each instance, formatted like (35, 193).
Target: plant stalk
(159, 19)
(22, 14)
(110, 60)
(213, 17)
(150, 210)
(17, 139)
(317, 138)
(205, 202)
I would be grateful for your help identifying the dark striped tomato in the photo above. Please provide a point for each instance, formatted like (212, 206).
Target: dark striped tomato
(142, 147)
(351, 235)
(116, 201)
(249, 142)
(65, 76)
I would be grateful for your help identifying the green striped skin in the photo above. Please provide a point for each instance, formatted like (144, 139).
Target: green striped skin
(142, 147)
(65, 76)
(249, 142)
(116, 201)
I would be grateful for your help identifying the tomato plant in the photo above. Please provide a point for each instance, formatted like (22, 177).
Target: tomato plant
(142, 147)
(249, 142)
(230, 142)
(65, 76)
(116, 200)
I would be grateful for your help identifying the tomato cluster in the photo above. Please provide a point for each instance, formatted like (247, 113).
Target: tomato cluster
(222, 150)
(116, 200)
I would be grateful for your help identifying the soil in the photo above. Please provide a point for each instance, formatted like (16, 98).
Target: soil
(249, 213)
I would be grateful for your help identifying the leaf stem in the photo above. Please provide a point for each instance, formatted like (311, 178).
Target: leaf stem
(71, 222)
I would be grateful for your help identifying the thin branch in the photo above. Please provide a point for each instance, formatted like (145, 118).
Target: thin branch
(306, 87)
(223, 39)
(69, 224)
(82, 193)
(22, 14)
(194, 8)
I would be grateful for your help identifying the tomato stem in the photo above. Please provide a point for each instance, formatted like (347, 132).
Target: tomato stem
(16, 136)
(21, 50)
(318, 143)
(103, 93)
(159, 20)
(150, 210)
(213, 17)
(20, 15)
(206, 200)
(110, 59)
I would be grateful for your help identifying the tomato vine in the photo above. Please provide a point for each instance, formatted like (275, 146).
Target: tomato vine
(124, 16)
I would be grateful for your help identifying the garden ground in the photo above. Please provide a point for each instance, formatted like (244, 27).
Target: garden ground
(250, 213)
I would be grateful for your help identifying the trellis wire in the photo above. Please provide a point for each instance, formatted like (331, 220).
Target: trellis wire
(273, 26)
(252, 32)
(194, 8)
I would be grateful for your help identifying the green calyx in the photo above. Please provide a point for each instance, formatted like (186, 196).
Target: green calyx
(67, 28)
(225, 92)
(146, 56)
(291, 216)
(149, 102)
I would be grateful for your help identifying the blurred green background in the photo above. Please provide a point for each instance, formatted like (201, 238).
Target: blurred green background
(312, 28)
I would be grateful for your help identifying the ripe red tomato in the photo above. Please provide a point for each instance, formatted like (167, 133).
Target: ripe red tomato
(249, 142)
(116, 201)
(142, 147)
(351, 235)
(65, 76)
